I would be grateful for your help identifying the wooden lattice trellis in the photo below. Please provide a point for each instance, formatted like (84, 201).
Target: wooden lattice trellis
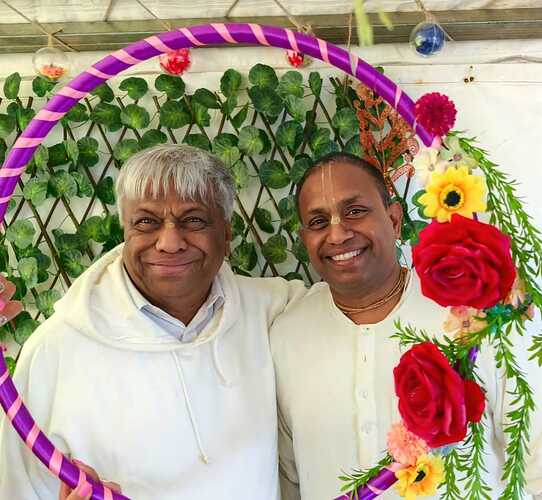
(312, 121)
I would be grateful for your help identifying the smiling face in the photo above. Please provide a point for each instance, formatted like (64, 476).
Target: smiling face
(173, 247)
(348, 231)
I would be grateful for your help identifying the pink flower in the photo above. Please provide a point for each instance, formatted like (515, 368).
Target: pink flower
(463, 320)
(404, 446)
(175, 62)
(436, 113)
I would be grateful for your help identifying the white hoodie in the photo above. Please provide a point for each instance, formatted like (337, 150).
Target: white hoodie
(166, 420)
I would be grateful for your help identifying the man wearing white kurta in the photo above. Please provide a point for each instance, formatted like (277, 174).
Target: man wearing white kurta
(155, 368)
(334, 369)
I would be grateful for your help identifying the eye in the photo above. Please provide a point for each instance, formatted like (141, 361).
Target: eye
(355, 212)
(146, 223)
(318, 223)
(194, 223)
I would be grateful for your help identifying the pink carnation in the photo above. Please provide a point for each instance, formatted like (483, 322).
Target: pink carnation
(436, 113)
(404, 446)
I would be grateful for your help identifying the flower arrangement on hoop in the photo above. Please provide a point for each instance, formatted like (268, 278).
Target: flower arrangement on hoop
(483, 274)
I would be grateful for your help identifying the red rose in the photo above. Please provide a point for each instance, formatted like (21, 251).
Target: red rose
(464, 263)
(434, 401)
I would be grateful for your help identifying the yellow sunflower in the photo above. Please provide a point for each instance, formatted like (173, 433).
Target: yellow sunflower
(421, 479)
(455, 191)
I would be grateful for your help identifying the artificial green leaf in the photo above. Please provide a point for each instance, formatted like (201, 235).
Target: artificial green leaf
(301, 164)
(244, 256)
(65, 242)
(71, 262)
(299, 250)
(414, 233)
(28, 271)
(103, 92)
(206, 98)
(11, 205)
(201, 114)
(237, 225)
(24, 117)
(4, 259)
(114, 231)
(84, 186)
(152, 138)
(173, 86)
(264, 220)
(288, 214)
(21, 233)
(291, 83)
(239, 172)
(353, 146)
(295, 107)
(263, 76)
(35, 190)
(12, 109)
(274, 175)
(72, 150)
(124, 149)
(61, 183)
(320, 138)
(20, 288)
(240, 117)
(229, 105)
(41, 86)
(250, 141)
(57, 155)
(265, 141)
(230, 82)
(136, 87)
(315, 83)
(24, 327)
(416, 198)
(41, 157)
(275, 249)
(135, 117)
(7, 125)
(44, 261)
(88, 151)
(266, 101)
(93, 229)
(11, 86)
(46, 301)
(108, 115)
(225, 147)
(3, 149)
(175, 114)
(290, 135)
(105, 191)
(10, 363)
(345, 122)
(77, 114)
(198, 141)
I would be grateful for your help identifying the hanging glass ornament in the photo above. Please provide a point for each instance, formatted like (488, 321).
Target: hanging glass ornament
(51, 63)
(427, 38)
(297, 59)
(175, 62)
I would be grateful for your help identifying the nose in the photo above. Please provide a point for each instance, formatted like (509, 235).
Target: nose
(338, 233)
(171, 239)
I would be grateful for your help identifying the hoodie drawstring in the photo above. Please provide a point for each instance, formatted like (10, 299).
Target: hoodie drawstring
(203, 456)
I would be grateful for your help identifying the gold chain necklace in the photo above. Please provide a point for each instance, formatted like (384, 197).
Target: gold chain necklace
(397, 288)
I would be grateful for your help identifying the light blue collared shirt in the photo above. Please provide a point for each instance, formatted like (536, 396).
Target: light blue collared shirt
(175, 327)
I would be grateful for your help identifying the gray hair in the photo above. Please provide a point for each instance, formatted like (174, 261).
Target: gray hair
(193, 173)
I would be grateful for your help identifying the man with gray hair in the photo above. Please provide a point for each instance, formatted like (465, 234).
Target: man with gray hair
(156, 367)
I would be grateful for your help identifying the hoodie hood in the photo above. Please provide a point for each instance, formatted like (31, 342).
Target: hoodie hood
(99, 305)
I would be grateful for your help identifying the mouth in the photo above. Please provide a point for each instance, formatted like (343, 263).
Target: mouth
(346, 257)
(170, 267)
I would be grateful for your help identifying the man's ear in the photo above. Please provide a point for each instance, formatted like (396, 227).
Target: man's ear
(395, 212)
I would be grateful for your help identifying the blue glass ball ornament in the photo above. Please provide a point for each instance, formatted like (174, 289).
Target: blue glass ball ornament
(427, 38)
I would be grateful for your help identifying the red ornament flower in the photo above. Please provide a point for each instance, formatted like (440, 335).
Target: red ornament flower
(297, 59)
(464, 263)
(434, 401)
(175, 62)
(436, 113)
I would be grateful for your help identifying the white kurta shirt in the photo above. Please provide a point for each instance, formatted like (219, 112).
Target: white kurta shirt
(336, 392)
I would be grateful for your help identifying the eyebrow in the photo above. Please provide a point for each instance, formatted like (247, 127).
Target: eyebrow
(342, 203)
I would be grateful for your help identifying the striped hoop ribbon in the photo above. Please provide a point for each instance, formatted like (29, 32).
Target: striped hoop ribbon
(111, 65)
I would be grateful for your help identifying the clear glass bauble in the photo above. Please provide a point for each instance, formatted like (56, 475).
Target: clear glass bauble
(51, 63)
